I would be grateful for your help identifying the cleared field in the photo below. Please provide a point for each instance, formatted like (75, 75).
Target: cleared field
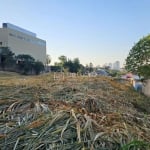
(88, 113)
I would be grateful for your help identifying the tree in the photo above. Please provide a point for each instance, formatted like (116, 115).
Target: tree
(48, 59)
(76, 65)
(63, 60)
(25, 63)
(73, 66)
(25, 57)
(138, 60)
(6, 57)
(38, 67)
(69, 65)
(91, 67)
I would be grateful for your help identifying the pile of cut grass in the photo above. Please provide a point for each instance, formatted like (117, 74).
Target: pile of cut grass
(40, 113)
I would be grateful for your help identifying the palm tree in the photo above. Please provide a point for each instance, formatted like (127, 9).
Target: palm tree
(48, 59)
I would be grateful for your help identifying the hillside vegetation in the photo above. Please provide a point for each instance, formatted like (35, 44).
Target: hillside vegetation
(78, 113)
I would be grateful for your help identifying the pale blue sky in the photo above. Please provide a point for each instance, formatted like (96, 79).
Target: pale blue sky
(97, 31)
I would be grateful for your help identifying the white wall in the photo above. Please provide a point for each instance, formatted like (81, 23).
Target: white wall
(21, 43)
(146, 88)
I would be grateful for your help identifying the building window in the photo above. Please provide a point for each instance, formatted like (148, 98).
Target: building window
(1, 43)
(33, 41)
(12, 34)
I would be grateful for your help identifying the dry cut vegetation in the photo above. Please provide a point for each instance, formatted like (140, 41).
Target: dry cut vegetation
(78, 113)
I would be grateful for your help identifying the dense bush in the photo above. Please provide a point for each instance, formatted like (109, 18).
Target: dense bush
(22, 63)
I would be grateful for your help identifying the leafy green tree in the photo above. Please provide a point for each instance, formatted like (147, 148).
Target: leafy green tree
(63, 60)
(6, 57)
(68, 65)
(25, 57)
(138, 60)
(25, 63)
(77, 65)
(73, 66)
(38, 67)
(145, 71)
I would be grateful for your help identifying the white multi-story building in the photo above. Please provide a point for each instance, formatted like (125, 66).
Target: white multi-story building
(116, 65)
(21, 41)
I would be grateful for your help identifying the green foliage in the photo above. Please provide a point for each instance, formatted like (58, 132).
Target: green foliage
(114, 73)
(25, 63)
(73, 66)
(138, 60)
(89, 67)
(136, 145)
(6, 57)
(25, 57)
(145, 71)
(62, 59)
(55, 68)
(38, 67)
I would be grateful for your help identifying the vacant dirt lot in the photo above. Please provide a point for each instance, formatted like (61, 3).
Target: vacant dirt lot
(69, 112)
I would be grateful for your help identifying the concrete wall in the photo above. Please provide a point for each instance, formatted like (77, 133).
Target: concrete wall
(146, 88)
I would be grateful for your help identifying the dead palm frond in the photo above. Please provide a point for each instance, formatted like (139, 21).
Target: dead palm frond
(40, 113)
